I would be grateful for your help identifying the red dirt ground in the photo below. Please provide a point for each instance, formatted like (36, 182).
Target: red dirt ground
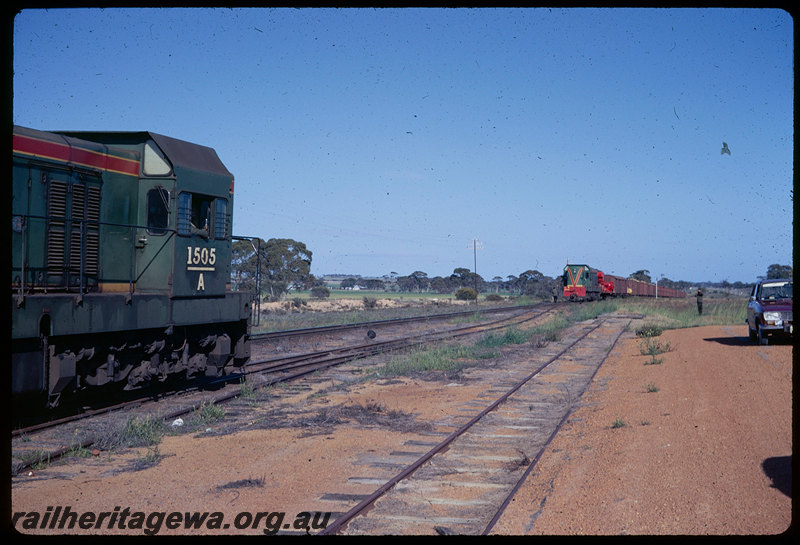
(708, 453)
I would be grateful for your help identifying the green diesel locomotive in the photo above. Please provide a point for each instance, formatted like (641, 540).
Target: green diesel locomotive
(120, 262)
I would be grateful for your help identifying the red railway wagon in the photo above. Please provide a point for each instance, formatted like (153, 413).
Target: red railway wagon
(630, 286)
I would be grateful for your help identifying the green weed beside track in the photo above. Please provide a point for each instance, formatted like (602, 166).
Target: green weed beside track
(681, 313)
(661, 314)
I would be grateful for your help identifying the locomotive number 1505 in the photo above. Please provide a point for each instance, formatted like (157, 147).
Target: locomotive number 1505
(200, 259)
(201, 256)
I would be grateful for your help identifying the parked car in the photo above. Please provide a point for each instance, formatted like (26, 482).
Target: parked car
(769, 311)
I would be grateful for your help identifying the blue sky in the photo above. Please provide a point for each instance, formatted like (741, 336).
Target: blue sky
(387, 140)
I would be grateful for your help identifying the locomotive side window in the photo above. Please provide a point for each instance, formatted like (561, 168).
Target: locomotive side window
(220, 218)
(184, 213)
(201, 215)
(154, 162)
(157, 211)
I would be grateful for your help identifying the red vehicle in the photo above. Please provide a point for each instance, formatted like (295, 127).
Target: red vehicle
(769, 312)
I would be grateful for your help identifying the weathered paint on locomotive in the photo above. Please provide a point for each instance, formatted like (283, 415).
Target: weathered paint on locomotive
(114, 234)
(583, 282)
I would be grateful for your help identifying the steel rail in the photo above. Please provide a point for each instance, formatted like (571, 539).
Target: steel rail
(402, 342)
(378, 323)
(536, 458)
(364, 504)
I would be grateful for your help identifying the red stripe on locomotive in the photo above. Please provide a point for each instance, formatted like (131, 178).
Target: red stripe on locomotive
(70, 154)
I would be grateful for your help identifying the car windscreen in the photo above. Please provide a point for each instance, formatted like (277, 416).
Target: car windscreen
(776, 290)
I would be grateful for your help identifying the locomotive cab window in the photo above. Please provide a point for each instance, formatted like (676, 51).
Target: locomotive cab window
(157, 211)
(202, 215)
(154, 162)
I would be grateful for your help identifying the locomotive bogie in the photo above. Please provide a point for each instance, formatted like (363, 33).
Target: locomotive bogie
(133, 359)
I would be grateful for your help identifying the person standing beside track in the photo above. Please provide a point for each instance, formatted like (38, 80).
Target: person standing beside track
(700, 301)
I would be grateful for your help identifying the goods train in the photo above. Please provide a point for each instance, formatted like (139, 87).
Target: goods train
(120, 262)
(583, 283)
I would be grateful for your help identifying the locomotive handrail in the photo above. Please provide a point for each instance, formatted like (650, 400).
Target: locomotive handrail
(83, 222)
(98, 222)
(257, 320)
(23, 225)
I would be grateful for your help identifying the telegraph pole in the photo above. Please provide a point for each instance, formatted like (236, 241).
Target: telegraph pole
(475, 267)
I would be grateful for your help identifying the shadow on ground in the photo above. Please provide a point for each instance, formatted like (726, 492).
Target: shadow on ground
(779, 470)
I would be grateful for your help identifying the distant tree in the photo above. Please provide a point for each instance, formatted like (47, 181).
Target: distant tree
(460, 276)
(779, 271)
(667, 283)
(374, 284)
(414, 282)
(642, 274)
(283, 263)
(420, 280)
(535, 284)
(528, 281)
(243, 266)
(497, 283)
(405, 284)
(320, 292)
(512, 283)
(347, 283)
(463, 277)
(441, 285)
(677, 284)
(286, 262)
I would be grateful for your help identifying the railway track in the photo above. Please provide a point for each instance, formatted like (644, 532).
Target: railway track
(280, 364)
(310, 362)
(45, 438)
(462, 483)
(377, 324)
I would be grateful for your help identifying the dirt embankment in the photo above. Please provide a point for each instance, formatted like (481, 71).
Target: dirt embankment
(709, 452)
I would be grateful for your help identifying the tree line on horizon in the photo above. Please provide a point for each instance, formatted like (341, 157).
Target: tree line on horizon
(281, 265)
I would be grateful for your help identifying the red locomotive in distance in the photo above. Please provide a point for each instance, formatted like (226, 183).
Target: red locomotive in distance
(583, 283)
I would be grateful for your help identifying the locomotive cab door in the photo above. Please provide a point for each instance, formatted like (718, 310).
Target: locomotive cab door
(154, 240)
